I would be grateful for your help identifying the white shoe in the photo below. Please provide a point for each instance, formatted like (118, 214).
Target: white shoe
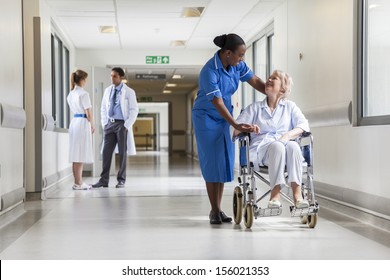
(81, 187)
(301, 204)
(274, 204)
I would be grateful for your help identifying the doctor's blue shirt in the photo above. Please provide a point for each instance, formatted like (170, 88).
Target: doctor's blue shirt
(215, 80)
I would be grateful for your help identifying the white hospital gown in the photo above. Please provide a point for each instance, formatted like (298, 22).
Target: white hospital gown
(273, 126)
(80, 134)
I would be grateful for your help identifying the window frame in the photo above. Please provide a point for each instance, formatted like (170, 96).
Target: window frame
(267, 33)
(362, 66)
(60, 66)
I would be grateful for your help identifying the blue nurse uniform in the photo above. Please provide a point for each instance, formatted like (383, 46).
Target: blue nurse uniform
(215, 147)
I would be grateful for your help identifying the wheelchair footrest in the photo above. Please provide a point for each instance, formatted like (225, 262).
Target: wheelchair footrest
(267, 212)
(301, 212)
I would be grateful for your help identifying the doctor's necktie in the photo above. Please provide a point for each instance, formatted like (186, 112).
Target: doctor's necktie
(112, 103)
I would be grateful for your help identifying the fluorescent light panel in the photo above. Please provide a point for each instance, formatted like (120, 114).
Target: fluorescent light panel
(107, 29)
(178, 43)
(192, 11)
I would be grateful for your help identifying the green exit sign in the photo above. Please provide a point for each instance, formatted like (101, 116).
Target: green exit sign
(163, 59)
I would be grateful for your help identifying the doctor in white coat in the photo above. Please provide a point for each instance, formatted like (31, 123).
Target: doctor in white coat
(119, 111)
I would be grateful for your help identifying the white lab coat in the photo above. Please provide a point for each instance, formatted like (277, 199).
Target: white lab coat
(129, 106)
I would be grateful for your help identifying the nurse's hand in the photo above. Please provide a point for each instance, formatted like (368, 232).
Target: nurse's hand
(243, 127)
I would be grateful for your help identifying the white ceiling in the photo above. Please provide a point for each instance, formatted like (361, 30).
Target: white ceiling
(153, 24)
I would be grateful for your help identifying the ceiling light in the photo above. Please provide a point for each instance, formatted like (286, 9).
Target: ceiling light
(178, 43)
(167, 91)
(177, 76)
(192, 11)
(107, 29)
(124, 81)
(171, 85)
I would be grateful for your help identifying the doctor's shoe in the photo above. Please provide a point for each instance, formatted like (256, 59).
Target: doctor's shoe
(215, 218)
(120, 184)
(300, 203)
(99, 185)
(224, 218)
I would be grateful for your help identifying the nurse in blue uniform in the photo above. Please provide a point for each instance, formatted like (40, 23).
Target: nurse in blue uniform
(212, 117)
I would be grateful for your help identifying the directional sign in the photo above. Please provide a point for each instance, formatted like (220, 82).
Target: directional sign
(164, 59)
(150, 76)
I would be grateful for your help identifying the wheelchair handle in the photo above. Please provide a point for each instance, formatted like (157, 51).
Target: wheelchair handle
(242, 135)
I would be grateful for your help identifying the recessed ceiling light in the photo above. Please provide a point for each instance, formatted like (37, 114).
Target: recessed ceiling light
(107, 29)
(167, 91)
(192, 11)
(178, 43)
(177, 76)
(171, 85)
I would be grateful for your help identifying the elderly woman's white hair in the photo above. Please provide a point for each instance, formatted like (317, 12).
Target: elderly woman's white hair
(286, 80)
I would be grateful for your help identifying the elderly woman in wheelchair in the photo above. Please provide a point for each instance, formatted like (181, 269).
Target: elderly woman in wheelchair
(278, 123)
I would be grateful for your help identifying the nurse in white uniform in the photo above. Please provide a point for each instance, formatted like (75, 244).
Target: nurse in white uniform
(277, 121)
(80, 129)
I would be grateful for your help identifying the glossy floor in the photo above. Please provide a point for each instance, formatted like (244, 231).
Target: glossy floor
(163, 214)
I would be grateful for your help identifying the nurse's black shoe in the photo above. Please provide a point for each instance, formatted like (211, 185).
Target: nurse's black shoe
(225, 218)
(215, 218)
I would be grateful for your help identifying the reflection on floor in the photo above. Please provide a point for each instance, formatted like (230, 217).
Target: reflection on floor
(163, 214)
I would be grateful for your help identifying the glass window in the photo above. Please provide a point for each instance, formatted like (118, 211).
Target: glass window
(247, 89)
(374, 62)
(270, 55)
(263, 59)
(60, 82)
(66, 85)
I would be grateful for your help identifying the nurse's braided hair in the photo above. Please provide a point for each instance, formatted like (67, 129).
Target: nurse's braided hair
(228, 42)
(76, 77)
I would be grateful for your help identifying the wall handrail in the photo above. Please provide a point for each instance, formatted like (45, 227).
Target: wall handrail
(330, 115)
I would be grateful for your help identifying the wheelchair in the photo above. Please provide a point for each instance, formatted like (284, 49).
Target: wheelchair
(245, 201)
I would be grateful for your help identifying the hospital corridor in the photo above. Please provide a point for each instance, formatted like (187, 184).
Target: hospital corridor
(208, 132)
(163, 214)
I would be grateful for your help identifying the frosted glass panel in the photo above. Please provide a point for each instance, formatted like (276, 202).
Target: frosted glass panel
(376, 99)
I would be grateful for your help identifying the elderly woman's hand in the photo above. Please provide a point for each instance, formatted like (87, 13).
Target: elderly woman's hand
(285, 138)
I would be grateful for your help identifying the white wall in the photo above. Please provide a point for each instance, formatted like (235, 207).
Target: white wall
(11, 93)
(179, 120)
(99, 79)
(354, 158)
(163, 111)
(86, 59)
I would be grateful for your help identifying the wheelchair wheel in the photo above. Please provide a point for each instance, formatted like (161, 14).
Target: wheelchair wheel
(248, 216)
(312, 221)
(237, 205)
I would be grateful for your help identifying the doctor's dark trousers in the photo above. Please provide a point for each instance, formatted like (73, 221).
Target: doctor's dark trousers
(114, 133)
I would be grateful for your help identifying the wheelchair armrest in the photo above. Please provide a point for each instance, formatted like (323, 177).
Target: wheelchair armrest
(305, 139)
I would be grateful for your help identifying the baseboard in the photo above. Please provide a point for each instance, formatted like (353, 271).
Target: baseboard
(365, 207)
(11, 214)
